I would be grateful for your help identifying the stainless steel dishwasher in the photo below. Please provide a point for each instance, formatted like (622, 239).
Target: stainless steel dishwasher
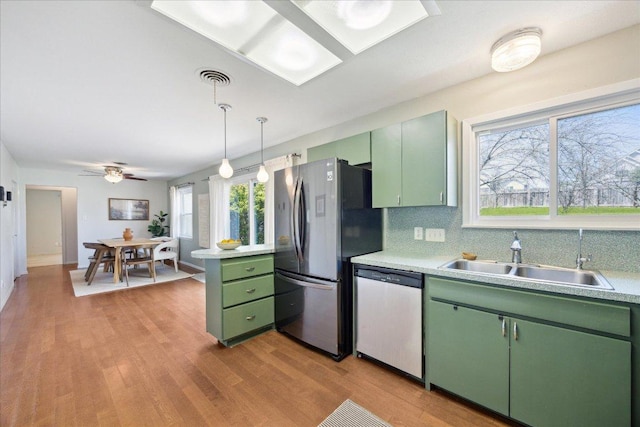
(389, 318)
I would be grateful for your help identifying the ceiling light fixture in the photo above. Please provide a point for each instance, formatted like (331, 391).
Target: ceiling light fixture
(361, 24)
(262, 176)
(255, 31)
(113, 174)
(225, 171)
(516, 49)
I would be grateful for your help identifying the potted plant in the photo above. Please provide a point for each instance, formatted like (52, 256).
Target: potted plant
(157, 227)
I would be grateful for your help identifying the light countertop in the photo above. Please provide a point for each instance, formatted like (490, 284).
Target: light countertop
(626, 284)
(240, 251)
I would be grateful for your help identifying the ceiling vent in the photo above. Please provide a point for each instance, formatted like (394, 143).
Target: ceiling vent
(214, 77)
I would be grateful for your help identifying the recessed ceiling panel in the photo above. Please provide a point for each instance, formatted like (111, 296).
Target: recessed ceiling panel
(360, 24)
(257, 32)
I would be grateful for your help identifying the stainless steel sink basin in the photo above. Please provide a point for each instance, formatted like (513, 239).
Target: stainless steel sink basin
(480, 266)
(551, 275)
(557, 275)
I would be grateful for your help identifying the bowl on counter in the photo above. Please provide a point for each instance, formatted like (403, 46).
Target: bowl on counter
(228, 245)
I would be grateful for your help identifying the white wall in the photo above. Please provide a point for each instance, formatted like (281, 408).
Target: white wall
(8, 226)
(92, 206)
(44, 222)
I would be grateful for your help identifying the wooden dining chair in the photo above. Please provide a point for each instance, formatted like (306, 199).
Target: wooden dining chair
(147, 258)
(102, 254)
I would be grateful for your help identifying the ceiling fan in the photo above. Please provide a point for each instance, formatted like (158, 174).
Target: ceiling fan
(113, 173)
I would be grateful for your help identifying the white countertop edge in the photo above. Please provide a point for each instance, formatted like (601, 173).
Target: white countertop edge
(240, 251)
(626, 285)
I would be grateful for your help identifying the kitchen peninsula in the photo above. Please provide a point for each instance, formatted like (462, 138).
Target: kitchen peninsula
(239, 291)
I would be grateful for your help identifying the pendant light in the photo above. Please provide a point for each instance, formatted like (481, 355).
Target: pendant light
(262, 176)
(225, 171)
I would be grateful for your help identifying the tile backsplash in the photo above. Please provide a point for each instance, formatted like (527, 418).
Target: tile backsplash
(610, 250)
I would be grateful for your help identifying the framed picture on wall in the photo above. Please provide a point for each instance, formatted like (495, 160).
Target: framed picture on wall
(128, 209)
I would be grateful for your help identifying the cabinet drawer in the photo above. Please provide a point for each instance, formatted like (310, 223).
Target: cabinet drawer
(608, 318)
(247, 317)
(246, 290)
(240, 268)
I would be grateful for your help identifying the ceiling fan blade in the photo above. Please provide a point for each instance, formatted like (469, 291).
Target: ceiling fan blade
(96, 173)
(135, 178)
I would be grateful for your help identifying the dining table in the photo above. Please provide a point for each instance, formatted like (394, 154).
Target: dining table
(119, 244)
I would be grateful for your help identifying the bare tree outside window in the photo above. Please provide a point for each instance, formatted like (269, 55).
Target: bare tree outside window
(514, 171)
(599, 162)
(598, 166)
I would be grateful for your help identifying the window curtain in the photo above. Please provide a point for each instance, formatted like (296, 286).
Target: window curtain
(218, 208)
(269, 206)
(174, 221)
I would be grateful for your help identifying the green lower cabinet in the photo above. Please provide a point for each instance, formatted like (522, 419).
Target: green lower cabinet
(539, 374)
(561, 377)
(468, 355)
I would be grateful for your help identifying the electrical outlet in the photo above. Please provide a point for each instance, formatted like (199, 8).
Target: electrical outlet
(434, 234)
(417, 233)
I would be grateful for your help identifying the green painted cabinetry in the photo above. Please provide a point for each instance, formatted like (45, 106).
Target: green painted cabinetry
(524, 364)
(414, 163)
(239, 297)
(356, 149)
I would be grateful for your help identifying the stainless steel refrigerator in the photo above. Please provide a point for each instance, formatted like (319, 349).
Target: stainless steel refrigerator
(323, 217)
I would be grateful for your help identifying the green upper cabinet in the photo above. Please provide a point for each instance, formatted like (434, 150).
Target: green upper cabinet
(414, 163)
(355, 149)
(386, 155)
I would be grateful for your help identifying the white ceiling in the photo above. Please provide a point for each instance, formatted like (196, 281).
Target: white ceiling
(86, 83)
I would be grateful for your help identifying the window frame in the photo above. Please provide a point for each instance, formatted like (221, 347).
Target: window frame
(249, 179)
(180, 192)
(606, 97)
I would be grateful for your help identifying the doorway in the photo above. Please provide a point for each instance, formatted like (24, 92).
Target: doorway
(51, 225)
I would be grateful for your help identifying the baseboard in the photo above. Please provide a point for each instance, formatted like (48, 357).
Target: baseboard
(188, 264)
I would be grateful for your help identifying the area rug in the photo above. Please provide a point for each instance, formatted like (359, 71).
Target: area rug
(350, 414)
(200, 277)
(103, 282)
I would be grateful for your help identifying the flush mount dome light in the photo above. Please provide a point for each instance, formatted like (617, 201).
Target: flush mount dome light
(516, 49)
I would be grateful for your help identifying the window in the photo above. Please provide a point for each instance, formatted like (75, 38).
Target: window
(185, 211)
(570, 163)
(246, 210)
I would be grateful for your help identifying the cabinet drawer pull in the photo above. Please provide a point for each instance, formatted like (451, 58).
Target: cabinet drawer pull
(441, 195)
(249, 269)
(515, 331)
(504, 328)
(398, 199)
(250, 291)
(253, 316)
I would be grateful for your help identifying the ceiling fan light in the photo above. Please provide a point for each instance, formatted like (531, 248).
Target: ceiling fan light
(262, 176)
(516, 49)
(225, 171)
(113, 175)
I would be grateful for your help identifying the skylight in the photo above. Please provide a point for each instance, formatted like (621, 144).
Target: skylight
(255, 31)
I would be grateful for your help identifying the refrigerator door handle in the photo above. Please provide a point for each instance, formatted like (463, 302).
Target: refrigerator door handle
(294, 220)
(302, 225)
(307, 282)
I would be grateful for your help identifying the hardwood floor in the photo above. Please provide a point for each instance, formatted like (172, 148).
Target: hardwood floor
(142, 357)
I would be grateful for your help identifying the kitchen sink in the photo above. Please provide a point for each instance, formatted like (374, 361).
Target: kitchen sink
(548, 274)
(480, 266)
(557, 275)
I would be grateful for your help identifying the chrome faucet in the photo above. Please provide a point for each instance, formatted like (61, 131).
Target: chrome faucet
(579, 259)
(516, 249)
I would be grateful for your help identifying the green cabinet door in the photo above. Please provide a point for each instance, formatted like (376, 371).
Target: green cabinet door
(561, 377)
(386, 158)
(468, 354)
(355, 149)
(324, 151)
(424, 160)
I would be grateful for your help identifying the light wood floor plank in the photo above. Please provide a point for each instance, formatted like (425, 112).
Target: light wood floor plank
(142, 357)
